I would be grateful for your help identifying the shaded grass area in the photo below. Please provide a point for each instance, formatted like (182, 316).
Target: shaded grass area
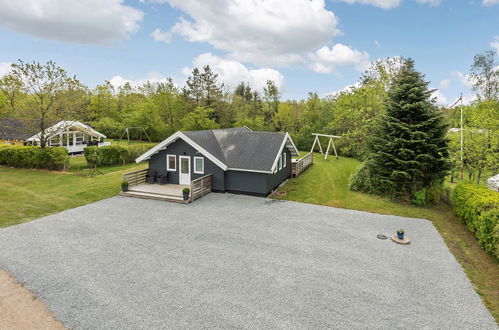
(29, 194)
(326, 183)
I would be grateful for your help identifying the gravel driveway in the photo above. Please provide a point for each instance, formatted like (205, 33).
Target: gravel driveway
(230, 261)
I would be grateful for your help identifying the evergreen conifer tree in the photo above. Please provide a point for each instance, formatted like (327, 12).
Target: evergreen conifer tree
(409, 149)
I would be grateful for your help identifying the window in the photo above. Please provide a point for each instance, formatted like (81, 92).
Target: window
(199, 165)
(280, 162)
(283, 159)
(171, 162)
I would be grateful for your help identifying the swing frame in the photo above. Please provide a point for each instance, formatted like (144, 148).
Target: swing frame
(331, 142)
(127, 132)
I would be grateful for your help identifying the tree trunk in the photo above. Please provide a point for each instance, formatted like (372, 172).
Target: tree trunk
(42, 131)
(479, 174)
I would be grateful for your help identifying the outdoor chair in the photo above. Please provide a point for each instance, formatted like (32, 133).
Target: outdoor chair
(163, 178)
(151, 176)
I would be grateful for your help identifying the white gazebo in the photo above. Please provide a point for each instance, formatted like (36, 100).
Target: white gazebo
(72, 135)
(493, 183)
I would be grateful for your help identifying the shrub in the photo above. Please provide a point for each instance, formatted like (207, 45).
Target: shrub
(427, 196)
(108, 155)
(137, 150)
(364, 180)
(419, 198)
(50, 158)
(124, 184)
(478, 208)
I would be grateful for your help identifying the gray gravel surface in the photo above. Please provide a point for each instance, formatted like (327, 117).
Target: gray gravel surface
(230, 261)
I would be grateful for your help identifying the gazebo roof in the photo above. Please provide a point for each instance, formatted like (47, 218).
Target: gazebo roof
(66, 125)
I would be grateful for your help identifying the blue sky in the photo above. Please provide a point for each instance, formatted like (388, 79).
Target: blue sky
(319, 46)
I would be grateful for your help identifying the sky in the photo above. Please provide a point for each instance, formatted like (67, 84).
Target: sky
(304, 46)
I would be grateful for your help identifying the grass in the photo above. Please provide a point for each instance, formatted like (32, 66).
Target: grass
(124, 143)
(30, 194)
(326, 183)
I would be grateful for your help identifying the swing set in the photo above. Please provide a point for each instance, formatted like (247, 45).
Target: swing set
(331, 142)
(127, 132)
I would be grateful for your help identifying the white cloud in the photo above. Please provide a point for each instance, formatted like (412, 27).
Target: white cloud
(469, 98)
(346, 89)
(231, 72)
(495, 43)
(432, 3)
(464, 79)
(153, 77)
(440, 98)
(159, 35)
(385, 4)
(327, 59)
(490, 2)
(270, 32)
(5, 68)
(376, 42)
(87, 22)
(445, 83)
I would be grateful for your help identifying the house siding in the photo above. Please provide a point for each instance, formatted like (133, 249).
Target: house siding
(275, 179)
(245, 182)
(181, 148)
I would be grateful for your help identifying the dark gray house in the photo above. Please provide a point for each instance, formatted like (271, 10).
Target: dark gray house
(239, 159)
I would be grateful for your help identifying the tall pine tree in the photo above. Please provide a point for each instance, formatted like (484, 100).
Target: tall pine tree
(409, 149)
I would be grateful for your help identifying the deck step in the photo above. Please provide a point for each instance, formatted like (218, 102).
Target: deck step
(169, 198)
(156, 193)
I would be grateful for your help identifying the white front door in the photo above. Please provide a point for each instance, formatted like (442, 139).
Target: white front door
(185, 170)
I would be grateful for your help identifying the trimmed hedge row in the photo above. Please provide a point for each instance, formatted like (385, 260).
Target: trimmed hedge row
(478, 207)
(108, 155)
(53, 158)
(114, 155)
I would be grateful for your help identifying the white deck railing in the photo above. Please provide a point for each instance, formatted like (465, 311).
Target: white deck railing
(80, 147)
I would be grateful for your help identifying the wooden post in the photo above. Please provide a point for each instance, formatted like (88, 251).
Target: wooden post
(319, 143)
(331, 142)
(334, 148)
(328, 146)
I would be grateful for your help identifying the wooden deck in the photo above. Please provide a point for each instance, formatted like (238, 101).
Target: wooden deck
(300, 165)
(165, 192)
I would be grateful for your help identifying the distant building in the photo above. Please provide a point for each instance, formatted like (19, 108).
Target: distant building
(493, 183)
(13, 132)
(73, 135)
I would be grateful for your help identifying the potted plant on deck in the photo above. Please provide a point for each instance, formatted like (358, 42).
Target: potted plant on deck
(186, 192)
(400, 234)
(124, 186)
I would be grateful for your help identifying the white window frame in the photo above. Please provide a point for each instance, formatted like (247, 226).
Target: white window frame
(280, 162)
(283, 159)
(168, 163)
(195, 159)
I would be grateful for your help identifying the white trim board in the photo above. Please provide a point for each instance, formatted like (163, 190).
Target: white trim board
(284, 142)
(173, 138)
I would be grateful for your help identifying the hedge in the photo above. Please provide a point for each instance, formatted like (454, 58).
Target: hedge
(136, 150)
(478, 207)
(108, 155)
(52, 158)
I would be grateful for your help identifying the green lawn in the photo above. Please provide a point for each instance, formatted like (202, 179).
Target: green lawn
(326, 183)
(29, 194)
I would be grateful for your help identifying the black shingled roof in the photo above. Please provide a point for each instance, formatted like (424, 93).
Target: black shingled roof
(240, 148)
